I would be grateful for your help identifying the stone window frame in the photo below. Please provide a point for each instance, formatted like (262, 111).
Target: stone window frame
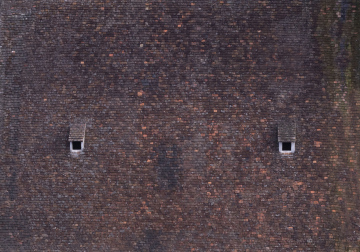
(77, 150)
(287, 151)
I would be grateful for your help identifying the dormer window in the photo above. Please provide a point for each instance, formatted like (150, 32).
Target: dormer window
(77, 137)
(77, 145)
(287, 136)
(286, 146)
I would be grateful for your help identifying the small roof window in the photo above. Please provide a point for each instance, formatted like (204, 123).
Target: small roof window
(77, 137)
(287, 136)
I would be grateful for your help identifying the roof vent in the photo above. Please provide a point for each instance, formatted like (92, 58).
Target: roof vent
(77, 137)
(287, 136)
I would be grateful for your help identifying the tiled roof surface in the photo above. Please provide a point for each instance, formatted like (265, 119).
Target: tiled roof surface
(77, 132)
(182, 101)
(286, 131)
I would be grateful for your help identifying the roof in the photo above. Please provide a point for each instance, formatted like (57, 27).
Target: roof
(287, 131)
(77, 132)
(182, 100)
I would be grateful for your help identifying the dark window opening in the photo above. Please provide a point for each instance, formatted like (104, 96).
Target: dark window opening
(76, 145)
(286, 146)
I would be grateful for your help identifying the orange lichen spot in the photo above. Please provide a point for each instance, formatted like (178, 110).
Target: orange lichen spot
(215, 110)
(82, 62)
(111, 55)
(317, 144)
(140, 93)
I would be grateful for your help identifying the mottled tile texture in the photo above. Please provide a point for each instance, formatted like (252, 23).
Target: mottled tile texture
(182, 101)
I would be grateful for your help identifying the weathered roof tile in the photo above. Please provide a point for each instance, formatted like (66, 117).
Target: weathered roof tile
(77, 132)
(287, 131)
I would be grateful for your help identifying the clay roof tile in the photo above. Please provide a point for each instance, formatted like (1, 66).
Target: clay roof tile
(77, 132)
(287, 131)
